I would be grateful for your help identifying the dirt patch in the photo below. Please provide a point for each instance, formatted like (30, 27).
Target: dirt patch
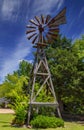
(6, 111)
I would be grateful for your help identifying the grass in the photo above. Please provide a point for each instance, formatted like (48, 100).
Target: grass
(5, 124)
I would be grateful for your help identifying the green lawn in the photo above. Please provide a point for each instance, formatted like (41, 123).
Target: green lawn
(5, 124)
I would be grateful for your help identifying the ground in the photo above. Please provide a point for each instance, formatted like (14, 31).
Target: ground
(5, 122)
(6, 111)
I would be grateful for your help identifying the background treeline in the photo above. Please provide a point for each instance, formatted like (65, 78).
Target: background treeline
(66, 62)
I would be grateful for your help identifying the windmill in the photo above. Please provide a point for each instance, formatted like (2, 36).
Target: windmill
(42, 31)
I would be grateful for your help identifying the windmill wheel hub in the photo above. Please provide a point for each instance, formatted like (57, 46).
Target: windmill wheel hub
(41, 29)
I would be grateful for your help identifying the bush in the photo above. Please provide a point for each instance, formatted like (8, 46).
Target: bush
(46, 122)
(20, 115)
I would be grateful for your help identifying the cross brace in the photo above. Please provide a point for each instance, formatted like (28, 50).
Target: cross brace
(41, 70)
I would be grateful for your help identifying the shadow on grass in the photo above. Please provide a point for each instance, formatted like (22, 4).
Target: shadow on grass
(80, 122)
(6, 125)
(9, 126)
(4, 122)
(18, 127)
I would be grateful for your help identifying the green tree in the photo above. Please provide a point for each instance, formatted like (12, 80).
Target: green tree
(66, 76)
(78, 47)
(12, 88)
(24, 68)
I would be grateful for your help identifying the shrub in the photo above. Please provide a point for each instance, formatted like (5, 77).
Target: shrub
(46, 122)
(20, 115)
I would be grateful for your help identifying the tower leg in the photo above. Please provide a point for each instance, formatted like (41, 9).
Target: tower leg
(29, 114)
(58, 111)
(57, 107)
(32, 90)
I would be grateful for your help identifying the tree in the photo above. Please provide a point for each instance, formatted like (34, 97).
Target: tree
(12, 88)
(66, 76)
(78, 47)
(24, 68)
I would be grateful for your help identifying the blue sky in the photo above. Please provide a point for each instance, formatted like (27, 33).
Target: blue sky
(14, 16)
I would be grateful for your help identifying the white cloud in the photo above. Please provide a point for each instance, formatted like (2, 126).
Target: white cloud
(60, 3)
(44, 6)
(81, 12)
(10, 9)
(10, 64)
(78, 35)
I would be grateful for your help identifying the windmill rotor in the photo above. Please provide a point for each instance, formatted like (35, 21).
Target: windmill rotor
(44, 29)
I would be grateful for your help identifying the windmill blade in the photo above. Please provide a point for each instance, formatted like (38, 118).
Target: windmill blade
(54, 30)
(53, 25)
(35, 38)
(52, 34)
(47, 19)
(33, 22)
(61, 14)
(38, 19)
(30, 31)
(49, 39)
(29, 26)
(42, 19)
(53, 37)
(31, 36)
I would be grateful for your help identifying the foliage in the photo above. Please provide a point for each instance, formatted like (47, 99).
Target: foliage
(15, 88)
(78, 47)
(43, 96)
(12, 88)
(47, 122)
(67, 69)
(20, 114)
(24, 68)
(47, 111)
